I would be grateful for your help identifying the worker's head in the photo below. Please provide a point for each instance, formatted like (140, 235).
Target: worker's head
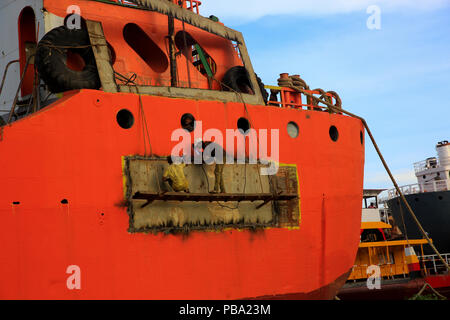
(169, 159)
(206, 143)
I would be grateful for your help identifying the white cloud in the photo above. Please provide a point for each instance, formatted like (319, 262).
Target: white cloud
(403, 177)
(254, 9)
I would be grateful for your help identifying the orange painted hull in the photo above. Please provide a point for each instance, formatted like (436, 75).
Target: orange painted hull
(73, 150)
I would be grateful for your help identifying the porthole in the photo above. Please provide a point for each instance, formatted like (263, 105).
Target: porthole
(292, 129)
(334, 133)
(125, 119)
(361, 137)
(243, 125)
(188, 122)
(64, 201)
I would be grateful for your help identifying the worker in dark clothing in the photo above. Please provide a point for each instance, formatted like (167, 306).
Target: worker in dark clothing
(212, 149)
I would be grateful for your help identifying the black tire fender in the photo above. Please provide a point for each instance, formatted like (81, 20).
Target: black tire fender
(51, 60)
(238, 79)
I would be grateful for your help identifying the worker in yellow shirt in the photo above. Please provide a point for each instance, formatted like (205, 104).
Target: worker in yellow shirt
(174, 175)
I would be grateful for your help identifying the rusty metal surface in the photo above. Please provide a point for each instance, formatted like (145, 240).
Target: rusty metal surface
(288, 212)
(198, 197)
(144, 176)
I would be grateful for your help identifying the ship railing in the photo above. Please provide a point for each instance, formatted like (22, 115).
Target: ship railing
(389, 269)
(432, 265)
(426, 164)
(290, 98)
(408, 189)
(128, 3)
(431, 186)
(191, 5)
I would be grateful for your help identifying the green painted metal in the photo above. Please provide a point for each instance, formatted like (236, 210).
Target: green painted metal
(202, 56)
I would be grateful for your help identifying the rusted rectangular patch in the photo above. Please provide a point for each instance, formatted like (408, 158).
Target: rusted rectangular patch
(144, 175)
(287, 212)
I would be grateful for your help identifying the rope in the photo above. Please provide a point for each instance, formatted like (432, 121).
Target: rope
(403, 221)
(48, 44)
(145, 131)
(222, 205)
(333, 108)
(427, 285)
(249, 120)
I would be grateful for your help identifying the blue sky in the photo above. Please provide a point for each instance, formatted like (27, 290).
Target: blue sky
(397, 78)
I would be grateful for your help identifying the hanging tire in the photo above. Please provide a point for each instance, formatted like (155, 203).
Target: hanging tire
(263, 90)
(51, 60)
(237, 79)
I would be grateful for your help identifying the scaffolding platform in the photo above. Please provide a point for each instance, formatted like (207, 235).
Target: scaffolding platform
(212, 197)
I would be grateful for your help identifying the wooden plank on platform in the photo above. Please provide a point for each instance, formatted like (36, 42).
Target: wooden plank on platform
(197, 197)
(101, 52)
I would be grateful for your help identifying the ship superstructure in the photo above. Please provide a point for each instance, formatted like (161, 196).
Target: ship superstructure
(429, 199)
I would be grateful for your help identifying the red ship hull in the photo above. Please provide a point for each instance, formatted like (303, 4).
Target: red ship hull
(74, 150)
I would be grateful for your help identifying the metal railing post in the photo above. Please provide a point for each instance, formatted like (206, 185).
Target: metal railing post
(5, 73)
(16, 98)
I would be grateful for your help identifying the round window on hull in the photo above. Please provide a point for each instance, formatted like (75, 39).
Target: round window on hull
(188, 122)
(293, 130)
(243, 125)
(125, 119)
(334, 133)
